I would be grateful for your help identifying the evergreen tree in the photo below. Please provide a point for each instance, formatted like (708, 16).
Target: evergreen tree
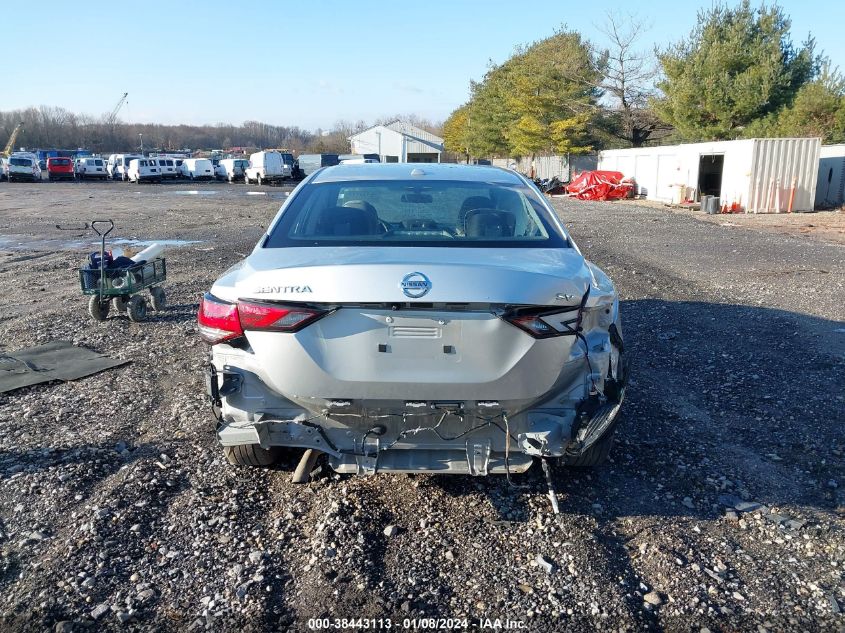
(738, 65)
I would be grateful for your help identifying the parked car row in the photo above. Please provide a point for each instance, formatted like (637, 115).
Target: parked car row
(23, 166)
(262, 167)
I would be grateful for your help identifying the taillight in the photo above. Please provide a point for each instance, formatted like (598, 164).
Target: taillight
(545, 323)
(218, 320)
(278, 318)
(221, 321)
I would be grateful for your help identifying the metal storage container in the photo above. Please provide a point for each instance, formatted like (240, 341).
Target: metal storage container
(758, 175)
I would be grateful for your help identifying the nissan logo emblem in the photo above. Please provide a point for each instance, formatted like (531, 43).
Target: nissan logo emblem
(415, 285)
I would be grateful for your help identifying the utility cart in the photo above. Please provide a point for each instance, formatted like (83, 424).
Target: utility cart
(117, 286)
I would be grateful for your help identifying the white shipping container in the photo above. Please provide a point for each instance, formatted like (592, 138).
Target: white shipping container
(757, 175)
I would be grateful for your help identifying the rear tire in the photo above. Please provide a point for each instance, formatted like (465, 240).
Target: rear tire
(158, 299)
(596, 454)
(98, 310)
(137, 308)
(250, 455)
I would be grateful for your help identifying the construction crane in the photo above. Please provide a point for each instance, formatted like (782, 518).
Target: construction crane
(10, 146)
(112, 117)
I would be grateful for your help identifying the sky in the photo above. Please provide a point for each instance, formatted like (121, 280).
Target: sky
(307, 63)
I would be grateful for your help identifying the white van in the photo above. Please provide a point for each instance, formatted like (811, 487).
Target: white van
(167, 167)
(197, 169)
(177, 163)
(233, 168)
(118, 164)
(90, 167)
(267, 167)
(23, 166)
(219, 170)
(143, 169)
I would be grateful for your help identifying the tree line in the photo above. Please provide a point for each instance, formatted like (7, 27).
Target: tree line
(55, 127)
(737, 75)
(47, 126)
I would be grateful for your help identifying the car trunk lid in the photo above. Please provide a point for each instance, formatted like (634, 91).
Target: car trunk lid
(380, 349)
(525, 276)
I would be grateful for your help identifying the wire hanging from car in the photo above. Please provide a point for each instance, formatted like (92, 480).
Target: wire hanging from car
(508, 454)
(420, 429)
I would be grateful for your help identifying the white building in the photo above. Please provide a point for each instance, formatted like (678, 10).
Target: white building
(758, 175)
(830, 190)
(398, 142)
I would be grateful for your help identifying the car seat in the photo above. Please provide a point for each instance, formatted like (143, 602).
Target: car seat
(370, 209)
(338, 221)
(474, 202)
(489, 223)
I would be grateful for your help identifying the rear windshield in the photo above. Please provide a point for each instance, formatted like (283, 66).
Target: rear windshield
(21, 162)
(98, 163)
(60, 161)
(413, 213)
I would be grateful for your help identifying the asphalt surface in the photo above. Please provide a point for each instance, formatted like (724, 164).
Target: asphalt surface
(722, 507)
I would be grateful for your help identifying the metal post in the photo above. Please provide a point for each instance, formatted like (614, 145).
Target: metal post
(552, 492)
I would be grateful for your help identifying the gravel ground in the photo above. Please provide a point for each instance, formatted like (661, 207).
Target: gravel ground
(825, 226)
(722, 507)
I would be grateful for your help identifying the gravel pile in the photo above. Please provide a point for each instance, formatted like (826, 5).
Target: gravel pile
(722, 507)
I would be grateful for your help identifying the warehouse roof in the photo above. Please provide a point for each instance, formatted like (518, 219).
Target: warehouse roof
(406, 129)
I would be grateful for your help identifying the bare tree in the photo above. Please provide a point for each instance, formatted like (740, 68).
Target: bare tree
(54, 127)
(629, 75)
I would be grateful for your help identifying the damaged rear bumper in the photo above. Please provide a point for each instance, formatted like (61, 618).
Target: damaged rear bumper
(469, 438)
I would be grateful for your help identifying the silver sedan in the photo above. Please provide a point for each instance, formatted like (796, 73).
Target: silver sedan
(415, 318)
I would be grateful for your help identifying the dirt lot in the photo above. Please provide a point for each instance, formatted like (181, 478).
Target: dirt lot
(723, 507)
(825, 226)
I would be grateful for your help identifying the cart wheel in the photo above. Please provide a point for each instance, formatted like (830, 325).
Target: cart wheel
(158, 298)
(119, 303)
(137, 308)
(98, 310)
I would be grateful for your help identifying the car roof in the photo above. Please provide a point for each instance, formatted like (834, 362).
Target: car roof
(422, 171)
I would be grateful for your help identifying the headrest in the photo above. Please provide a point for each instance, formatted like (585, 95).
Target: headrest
(489, 223)
(346, 221)
(476, 202)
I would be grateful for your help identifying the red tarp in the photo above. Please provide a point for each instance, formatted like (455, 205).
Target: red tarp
(599, 185)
